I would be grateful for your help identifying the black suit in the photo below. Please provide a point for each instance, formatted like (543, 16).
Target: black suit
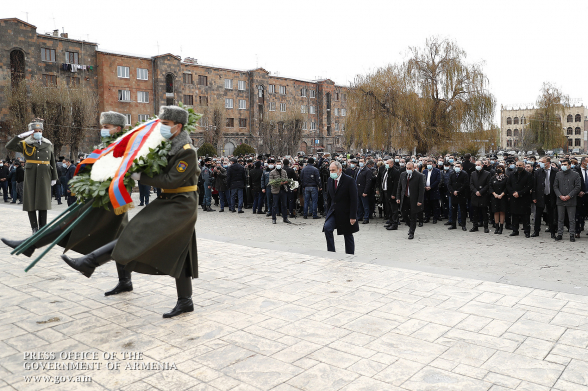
(363, 179)
(581, 202)
(341, 208)
(460, 183)
(479, 182)
(545, 202)
(520, 182)
(410, 197)
(392, 176)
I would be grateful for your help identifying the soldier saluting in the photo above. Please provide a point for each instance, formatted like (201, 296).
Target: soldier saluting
(40, 171)
(161, 238)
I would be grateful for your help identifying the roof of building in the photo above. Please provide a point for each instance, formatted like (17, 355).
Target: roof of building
(17, 20)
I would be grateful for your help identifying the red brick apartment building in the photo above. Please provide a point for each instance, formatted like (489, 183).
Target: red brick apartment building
(137, 86)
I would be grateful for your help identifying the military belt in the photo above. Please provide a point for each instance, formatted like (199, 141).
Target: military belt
(185, 189)
(37, 161)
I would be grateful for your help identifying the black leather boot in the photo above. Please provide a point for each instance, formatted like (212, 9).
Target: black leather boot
(184, 303)
(88, 263)
(474, 228)
(47, 239)
(124, 281)
(486, 230)
(500, 229)
(42, 218)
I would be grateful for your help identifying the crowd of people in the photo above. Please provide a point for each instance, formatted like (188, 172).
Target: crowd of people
(500, 192)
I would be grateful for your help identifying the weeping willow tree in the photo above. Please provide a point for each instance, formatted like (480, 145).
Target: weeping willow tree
(424, 102)
(545, 127)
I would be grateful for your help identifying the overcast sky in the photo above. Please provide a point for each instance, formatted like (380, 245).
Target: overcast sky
(522, 42)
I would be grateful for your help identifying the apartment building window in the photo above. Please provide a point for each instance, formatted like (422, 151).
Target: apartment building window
(49, 80)
(313, 125)
(143, 117)
(570, 118)
(72, 81)
(242, 104)
(228, 84)
(143, 97)
(242, 122)
(570, 142)
(312, 93)
(241, 85)
(122, 72)
(342, 127)
(569, 131)
(230, 122)
(312, 110)
(202, 80)
(578, 118)
(128, 116)
(228, 103)
(282, 90)
(303, 92)
(336, 127)
(303, 109)
(509, 121)
(189, 100)
(578, 131)
(336, 96)
(71, 58)
(271, 89)
(272, 106)
(124, 95)
(344, 98)
(305, 125)
(343, 112)
(48, 55)
(336, 112)
(578, 142)
(142, 74)
(187, 78)
(282, 107)
(203, 100)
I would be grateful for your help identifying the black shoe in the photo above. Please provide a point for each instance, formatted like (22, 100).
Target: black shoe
(122, 286)
(254, 212)
(427, 221)
(514, 233)
(420, 224)
(434, 221)
(287, 221)
(464, 228)
(452, 227)
(486, 230)
(572, 238)
(84, 265)
(547, 229)
(553, 235)
(474, 229)
(500, 229)
(15, 243)
(222, 210)
(392, 228)
(183, 305)
(527, 235)
(497, 230)
(241, 211)
(365, 222)
(144, 205)
(448, 223)
(411, 236)
(35, 229)
(273, 221)
(304, 217)
(315, 217)
(535, 234)
(558, 237)
(233, 210)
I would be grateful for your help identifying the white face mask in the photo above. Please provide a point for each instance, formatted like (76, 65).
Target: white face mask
(409, 172)
(271, 166)
(104, 132)
(279, 166)
(402, 164)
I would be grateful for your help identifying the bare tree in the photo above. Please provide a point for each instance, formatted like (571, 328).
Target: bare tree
(280, 133)
(545, 125)
(212, 123)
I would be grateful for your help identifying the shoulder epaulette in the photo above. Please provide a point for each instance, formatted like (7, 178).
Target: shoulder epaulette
(187, 146)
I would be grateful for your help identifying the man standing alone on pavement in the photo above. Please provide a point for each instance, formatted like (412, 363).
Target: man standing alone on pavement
(341, 196)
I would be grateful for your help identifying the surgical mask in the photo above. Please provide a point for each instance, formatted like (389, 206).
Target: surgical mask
(450, 160)
(429, 166)
(402, 164)
(440, 162)
(478, 168)
(352, 165)
(573, 166)
(446, 168)
(279, 166)
(166, 131)
(512, 166)
(542, 165)
(396, 160)
(525, 160)
(409, 172)
(457, 170)
(225, 165)
(491, 161)
(334, 175)
(413, 160)
(360, 164)
(564, 168)
(37, 135)
(104, 132)
(271, 166)
(387, 166)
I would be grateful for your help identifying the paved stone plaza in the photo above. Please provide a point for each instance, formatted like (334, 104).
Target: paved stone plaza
(270, 315)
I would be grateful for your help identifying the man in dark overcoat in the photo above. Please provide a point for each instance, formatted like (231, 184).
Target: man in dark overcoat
(410, 195)
(458, 187)
(519, 186)
(479, 182)
(432, 194)
(544, 197)
(341, 199)
(389, 187)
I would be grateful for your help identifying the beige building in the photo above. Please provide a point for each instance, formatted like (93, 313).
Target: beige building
(514, 122)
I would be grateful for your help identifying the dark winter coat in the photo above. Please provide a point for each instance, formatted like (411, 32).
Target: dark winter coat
(460, 183)
(342, 203)
(236, 176)
(416, 187)
(479, 182)
(434, 193)
(521, 183)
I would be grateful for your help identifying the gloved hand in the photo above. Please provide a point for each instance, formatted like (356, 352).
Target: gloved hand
(53, 182)
(136, 176)
(26, 134)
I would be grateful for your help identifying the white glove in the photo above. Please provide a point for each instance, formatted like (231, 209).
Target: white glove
(53, 182)
(136, 176)
(26, 134)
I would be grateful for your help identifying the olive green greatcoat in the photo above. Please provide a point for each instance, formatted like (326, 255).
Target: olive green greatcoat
(38, 177)
(162, 236)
